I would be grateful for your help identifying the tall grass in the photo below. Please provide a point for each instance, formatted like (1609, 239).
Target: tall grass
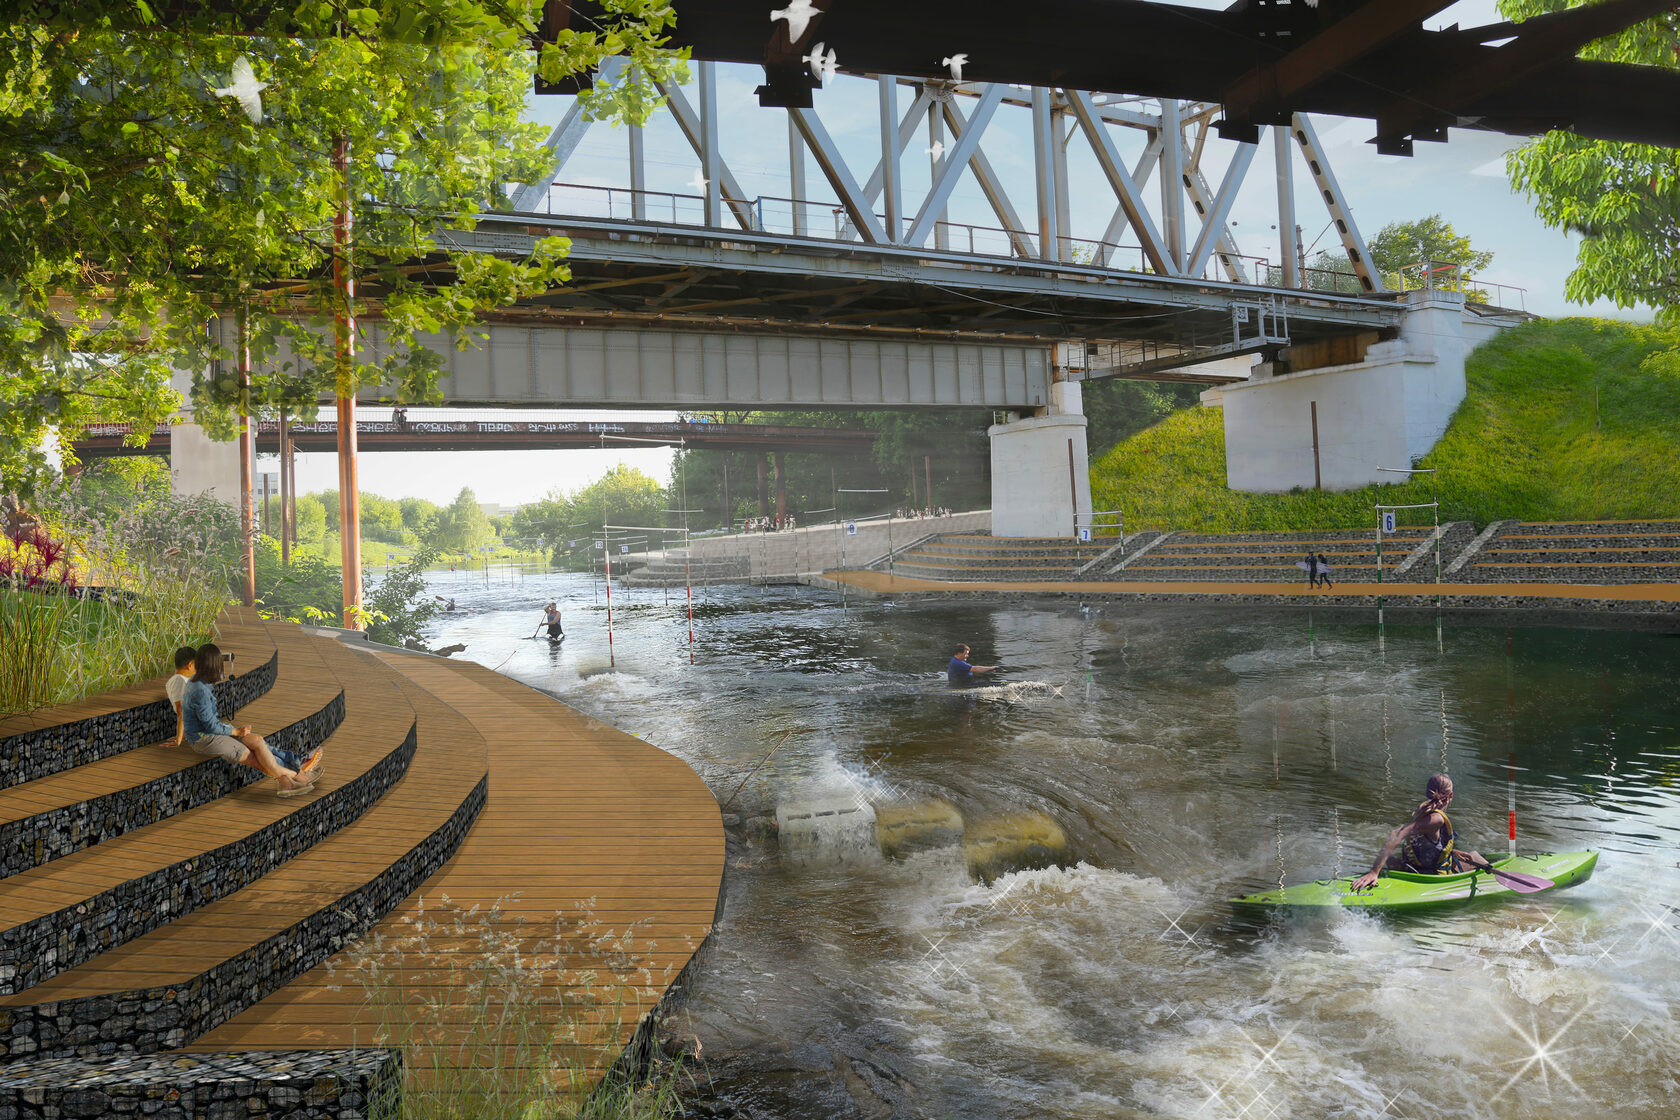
(60, 646)
(1567, 420)
(498, 1018)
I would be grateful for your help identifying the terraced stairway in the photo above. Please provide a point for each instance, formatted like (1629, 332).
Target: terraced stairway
(154, 900)
(678, 570)
(977, 556)
(1272, 557)
(1578, 552)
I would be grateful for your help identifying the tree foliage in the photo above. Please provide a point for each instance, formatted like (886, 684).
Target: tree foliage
(1399, 246)
(137, 206)
(568, 523)
(1624, 199)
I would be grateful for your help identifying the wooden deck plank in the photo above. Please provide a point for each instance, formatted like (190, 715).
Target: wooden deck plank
(560, 782)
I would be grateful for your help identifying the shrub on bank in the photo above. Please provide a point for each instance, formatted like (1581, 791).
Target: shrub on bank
(1565, 420)
(88, 605)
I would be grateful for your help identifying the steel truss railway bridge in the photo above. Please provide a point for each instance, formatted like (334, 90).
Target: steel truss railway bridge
(854, 290)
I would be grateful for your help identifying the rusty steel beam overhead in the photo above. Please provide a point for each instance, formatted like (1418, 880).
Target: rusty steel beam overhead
(1355, 58)
(1268, 59)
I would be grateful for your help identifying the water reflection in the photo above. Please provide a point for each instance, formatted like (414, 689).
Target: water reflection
(1161, 762)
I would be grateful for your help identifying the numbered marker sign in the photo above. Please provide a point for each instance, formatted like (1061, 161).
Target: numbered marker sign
(851, 528)
(1084, 534)
(1388, 521)
(623, 549)
(600, 544)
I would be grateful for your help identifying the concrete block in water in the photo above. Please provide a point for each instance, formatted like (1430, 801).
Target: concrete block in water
(1014, 842)
(839, 830)
(917, 826)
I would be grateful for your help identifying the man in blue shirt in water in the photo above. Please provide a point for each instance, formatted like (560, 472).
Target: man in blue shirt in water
(959, 671)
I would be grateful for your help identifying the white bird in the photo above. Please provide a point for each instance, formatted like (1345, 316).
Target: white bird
(798, 14)
(937, 150)
(822, 66)
(245, 89)
(956, 62)
(698, 182)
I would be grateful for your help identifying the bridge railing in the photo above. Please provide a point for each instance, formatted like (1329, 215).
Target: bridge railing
(791, 217)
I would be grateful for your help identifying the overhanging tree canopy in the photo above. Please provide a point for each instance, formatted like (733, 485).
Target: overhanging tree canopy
(137, 205)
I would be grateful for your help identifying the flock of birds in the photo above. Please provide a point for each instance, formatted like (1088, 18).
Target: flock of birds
(799, 14)
(244, 87)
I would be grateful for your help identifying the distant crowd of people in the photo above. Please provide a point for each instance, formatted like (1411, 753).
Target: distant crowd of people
(768, 524)
(911, 514)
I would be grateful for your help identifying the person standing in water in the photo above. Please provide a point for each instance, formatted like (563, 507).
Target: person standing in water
(959, 671)
(1424, 845)
(551, 619)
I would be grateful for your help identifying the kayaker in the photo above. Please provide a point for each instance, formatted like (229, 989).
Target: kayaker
(960, 671)
(1424, 844)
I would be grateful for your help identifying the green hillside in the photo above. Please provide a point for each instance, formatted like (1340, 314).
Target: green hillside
(1565, 420)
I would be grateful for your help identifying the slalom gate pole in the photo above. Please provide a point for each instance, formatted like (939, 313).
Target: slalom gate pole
(1511, 800)
(606, 552)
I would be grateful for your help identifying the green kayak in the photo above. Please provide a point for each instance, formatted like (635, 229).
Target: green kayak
(1403, 890)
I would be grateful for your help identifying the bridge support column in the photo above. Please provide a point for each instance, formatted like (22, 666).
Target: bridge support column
(198, 464)
(763, 484)
(1041, 476)
(1384, 409)
(781, 489)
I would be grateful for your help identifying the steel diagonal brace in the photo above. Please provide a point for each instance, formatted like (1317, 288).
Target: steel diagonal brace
(1108, 158)
(966, 146)
(839, 177)
(689, 121)
(990, 185)
(906, 134)
(1213, 222)
(1141, 172)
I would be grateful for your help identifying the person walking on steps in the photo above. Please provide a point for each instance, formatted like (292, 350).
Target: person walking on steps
(1311, 565)
(1323, 569)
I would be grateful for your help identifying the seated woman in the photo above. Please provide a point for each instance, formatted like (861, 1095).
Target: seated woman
(1424, 844)
(207, 734)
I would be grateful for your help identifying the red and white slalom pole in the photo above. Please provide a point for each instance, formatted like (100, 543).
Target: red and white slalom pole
(606, 550)
(1511, 799)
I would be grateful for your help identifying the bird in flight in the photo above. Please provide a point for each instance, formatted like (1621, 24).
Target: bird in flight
(698, 182)
(937, 150)
(956, 62)
(823, 65)
(245, 88)
(798, 14)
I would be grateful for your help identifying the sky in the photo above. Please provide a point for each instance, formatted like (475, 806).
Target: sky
(1463, 180)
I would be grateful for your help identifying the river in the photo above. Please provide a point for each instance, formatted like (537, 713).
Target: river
(1167, 759)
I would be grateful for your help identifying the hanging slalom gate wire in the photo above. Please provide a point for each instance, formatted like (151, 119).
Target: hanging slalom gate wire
(688, 573)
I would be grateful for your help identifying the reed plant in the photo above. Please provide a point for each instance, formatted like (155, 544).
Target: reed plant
(496, 1016)
(92, 600)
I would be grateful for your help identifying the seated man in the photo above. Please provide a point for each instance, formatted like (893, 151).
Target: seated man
(207, 734)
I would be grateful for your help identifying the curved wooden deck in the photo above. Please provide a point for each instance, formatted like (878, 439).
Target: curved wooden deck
(601, 856)
(583, 821)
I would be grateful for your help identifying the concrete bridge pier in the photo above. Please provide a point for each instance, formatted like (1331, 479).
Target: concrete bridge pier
(198, 464)
(1041, 476)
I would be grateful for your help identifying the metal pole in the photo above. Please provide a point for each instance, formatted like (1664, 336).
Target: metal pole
(1318, 478)
(936, 143)
(1379, 569)
(247, 465)
(711, 165)
(288, 527)
(1044, 174)
(1172, 180)
(891, 192)
(796, 185)
(344, 290)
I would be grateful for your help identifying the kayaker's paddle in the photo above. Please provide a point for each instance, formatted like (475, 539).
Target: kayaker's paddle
(1517, 881)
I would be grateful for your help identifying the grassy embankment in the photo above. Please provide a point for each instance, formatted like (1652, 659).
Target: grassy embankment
(1564, 420)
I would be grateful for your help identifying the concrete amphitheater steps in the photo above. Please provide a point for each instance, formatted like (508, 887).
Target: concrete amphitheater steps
(970, 556)
(1602, 552)
(58, 915)
(580, 811)
(98, 801)
(47, 741)
(172, 984)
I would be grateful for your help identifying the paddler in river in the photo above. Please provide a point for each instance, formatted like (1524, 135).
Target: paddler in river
(1424, 844)
(959, 671)
(551, 619)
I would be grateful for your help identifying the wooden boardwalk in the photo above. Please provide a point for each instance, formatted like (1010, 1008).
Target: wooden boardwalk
(582, 821)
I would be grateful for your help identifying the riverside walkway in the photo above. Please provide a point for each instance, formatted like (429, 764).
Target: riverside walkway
(169, 929)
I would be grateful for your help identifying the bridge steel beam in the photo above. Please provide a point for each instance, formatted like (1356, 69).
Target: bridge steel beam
(574, 367)
(1341, 215)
